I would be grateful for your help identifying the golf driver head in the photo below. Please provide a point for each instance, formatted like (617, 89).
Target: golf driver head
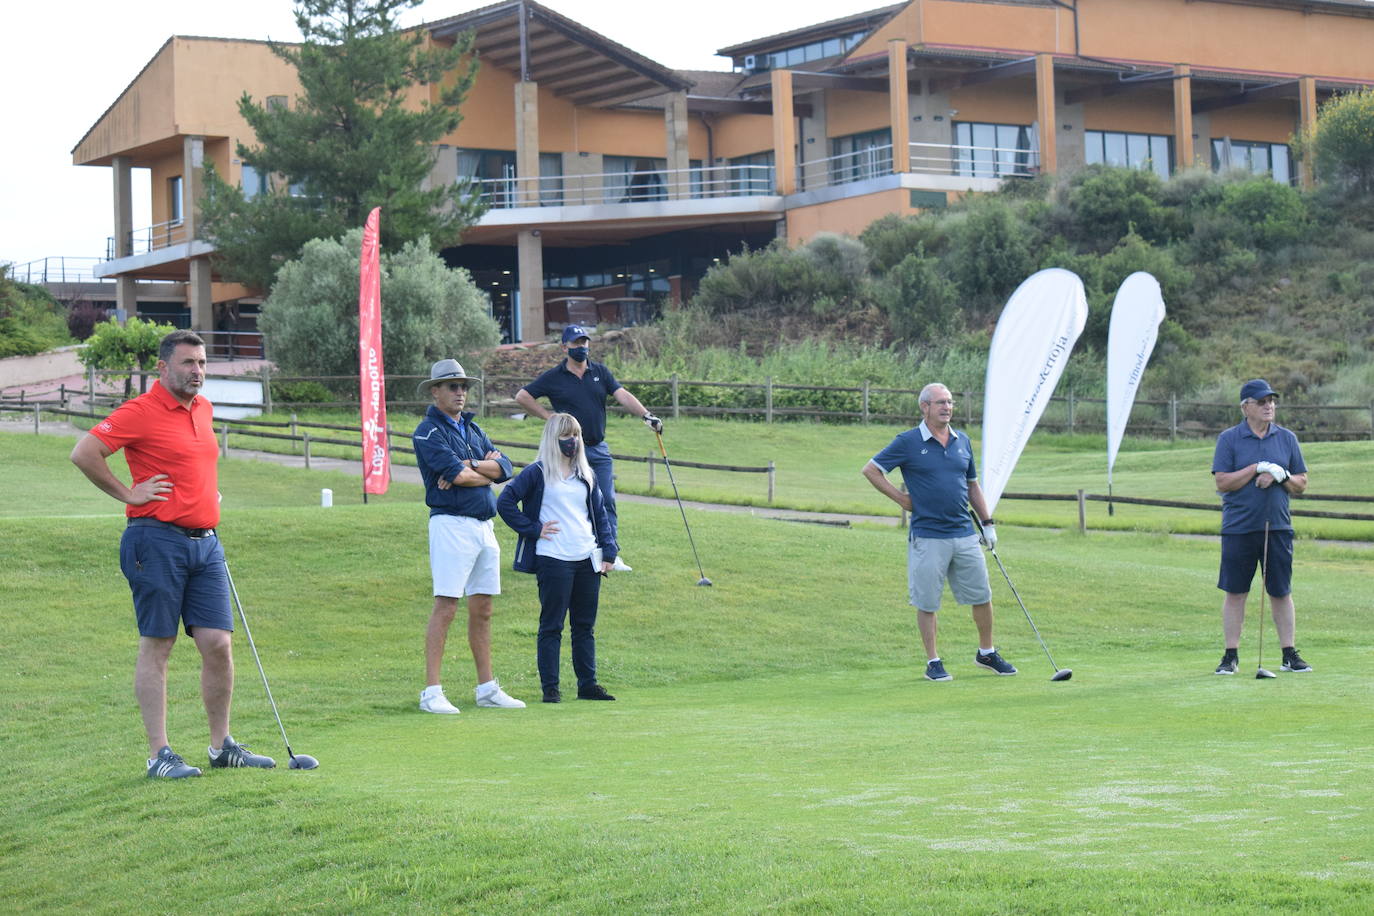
(1263, 673)
(1063, 674)
(704, 581)
(303, 762)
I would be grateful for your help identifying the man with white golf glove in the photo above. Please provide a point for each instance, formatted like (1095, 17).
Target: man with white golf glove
(989, 535)
(1273, 470)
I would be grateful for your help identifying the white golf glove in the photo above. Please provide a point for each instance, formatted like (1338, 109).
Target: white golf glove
(653, 422)
(1268, 467)
(989, 538)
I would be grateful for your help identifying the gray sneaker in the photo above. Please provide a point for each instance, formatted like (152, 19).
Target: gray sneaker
(935, 671)
(234, 754)
(169, 765)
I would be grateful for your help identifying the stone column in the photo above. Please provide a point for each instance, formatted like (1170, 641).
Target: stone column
(1046, 114)
(530, 254)
(192, 184)
(784, 134)
(126, 298)
(198, 296)
(1307, 113)
(1183, 117)
(899, 105)
(678, 157)
(527, 143)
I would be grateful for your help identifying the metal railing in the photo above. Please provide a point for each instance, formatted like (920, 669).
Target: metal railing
(151, 238)
(626, 187)
(59, 269)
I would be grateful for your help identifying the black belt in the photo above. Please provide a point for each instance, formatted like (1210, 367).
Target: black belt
(194, 534)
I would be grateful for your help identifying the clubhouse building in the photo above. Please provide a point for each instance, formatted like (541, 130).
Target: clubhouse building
(613, 182)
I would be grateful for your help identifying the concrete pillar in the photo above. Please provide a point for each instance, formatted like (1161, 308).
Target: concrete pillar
(198, 296)
(1183, 117)
(813, 145)
(527, 143)
(1307, 105)
(899, 105)
(126, 296)
(529, 249)
(123, 207)
(929, 125)
(1046, 115)
(192, 186)
(678, 157)
(784, 134)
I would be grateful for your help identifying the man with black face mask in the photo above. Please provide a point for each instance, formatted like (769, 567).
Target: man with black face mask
(580, 386)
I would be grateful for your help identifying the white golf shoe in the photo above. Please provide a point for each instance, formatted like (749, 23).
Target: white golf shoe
(432, 699)
(493, 697)
(621, 566)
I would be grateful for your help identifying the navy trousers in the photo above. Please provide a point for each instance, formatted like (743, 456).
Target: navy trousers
(599, 458)
(567, 589)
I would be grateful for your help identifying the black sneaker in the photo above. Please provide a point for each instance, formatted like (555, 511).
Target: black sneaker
(1292, 661)
(237, 755)
(993, 662)
(553, 695)
(169, 765)
(593, 692)
(1228, 664)
(935, 671)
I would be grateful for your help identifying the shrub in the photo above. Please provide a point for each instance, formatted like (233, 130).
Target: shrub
(989, 254)
(1341, 147)
(893, 237)
(31, 321)
(124, 349)
(1107, 203)
(1265, 214)
(826, 273)
(82, 317)
(302, 392)
(429, 311)
(918, 299)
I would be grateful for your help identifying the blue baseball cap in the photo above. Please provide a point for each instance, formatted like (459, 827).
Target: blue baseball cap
(574, 331)
(1256, 389)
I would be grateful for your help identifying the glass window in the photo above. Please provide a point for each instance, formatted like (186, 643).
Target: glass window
(634, 178)
(860, 156)
(830, 47)
(751, 175)
(1140, 151)
(174, 200)
(253, 182)
(551, 179)
(994, 150)
(1273, 159)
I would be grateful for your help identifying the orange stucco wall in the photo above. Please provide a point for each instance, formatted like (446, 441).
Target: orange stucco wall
(1270, 122)
(1147, 113)
(741, 135)
(855, 112)
(849, 216)
(142, 113)
(1011, 102)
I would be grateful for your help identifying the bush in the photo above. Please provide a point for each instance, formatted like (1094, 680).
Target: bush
(302, 392)
(31, 321)
(838, 271)
(1265, 214)
(1107, 203)
(919, 301)
(826, 273)
(124, 349)
(1341, 147)
(429, 311)
(893, 237)
(82, 317)
(989, 254)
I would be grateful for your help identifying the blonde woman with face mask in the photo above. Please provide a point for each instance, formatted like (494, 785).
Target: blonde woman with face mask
(556, 508)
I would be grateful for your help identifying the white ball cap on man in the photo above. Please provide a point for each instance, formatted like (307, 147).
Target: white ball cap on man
(445, 370)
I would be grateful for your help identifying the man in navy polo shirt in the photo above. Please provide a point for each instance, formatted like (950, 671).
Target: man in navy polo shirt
(580, 386)
(942, 482)
(1257, 465)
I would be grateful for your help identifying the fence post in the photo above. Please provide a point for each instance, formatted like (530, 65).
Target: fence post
(772, 479)
(482, 389)
(35, 419)
(865, 402)
(293, 430)
(1173, 418)
(306, 440)
(1082, 514)
(768, 400)
(1070, 410)
(62, 395)
(224, 441)
(651, 470)
(90, 383)
(1371, 419)
(267, 388)
(674, 381)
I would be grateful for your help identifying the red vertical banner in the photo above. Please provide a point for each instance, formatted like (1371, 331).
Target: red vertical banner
(371, 375)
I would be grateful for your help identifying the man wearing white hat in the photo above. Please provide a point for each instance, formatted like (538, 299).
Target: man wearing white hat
(459, 464)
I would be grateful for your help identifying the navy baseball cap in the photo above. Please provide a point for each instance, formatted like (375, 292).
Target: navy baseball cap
(1256, 389)
(574, 331)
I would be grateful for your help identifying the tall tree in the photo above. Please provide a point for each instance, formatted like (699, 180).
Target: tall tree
(360, 135)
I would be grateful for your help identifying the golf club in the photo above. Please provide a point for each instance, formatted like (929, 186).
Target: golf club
(664, 452)
(298, 761)
(1262, 672)
(1060, 674)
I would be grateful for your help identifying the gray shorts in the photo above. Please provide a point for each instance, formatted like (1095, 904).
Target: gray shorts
(930, 561)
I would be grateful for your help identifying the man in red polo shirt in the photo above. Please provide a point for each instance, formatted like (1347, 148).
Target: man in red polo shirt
(169, 552)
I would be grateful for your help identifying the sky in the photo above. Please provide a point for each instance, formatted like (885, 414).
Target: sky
(64, 65)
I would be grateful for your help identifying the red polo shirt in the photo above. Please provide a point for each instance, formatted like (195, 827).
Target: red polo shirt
(160, 436)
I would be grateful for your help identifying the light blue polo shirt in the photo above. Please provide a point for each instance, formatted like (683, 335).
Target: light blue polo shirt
(937, 478)
(1246, 510)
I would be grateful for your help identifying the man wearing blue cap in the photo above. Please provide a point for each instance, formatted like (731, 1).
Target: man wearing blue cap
(580, 386)
(1257, 465)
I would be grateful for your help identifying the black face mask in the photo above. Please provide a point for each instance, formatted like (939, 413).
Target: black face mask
(578, 354)
(568, 446)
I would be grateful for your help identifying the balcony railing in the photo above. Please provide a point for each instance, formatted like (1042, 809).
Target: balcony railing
(56, 270)
(627, 187)
(151, 238)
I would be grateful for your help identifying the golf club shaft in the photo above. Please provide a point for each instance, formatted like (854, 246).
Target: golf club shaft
(668, 464)
(1034, 629)
(249, 633)
(1264, 589)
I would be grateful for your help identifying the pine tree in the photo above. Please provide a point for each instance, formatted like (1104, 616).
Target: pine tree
(354, 139)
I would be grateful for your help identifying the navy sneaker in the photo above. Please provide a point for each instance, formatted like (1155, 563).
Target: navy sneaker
(593, 692)
(993, 662)
(1292, 661)
(935, 671)
(169, 765)
(237, 755)
(1228, 664)
(553, 695)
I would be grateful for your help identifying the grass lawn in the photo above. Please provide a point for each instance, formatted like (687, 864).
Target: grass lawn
(773, 747)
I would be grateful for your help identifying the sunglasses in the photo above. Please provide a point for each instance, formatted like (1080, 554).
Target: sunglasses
(456, 386)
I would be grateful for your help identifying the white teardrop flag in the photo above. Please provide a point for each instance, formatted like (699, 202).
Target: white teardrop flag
(1037, 330)
(1136, 314)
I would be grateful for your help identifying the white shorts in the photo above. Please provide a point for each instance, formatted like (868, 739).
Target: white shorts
(464, 558)
(931, 560)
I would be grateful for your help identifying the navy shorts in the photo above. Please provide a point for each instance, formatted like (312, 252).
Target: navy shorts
(175, 580)
(1241, 555)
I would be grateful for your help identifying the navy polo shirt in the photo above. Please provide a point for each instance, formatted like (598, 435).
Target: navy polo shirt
(937, 478)
(584, 398)
(1246, 510)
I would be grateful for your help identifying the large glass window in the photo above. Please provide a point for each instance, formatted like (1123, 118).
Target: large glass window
(253, 182)
(1138, 151)
(1253, 156)
(496, 173)
(994, 150)
(174, 200)
(633, 178)
(752, 175)
(860, 156)
(800, 54)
